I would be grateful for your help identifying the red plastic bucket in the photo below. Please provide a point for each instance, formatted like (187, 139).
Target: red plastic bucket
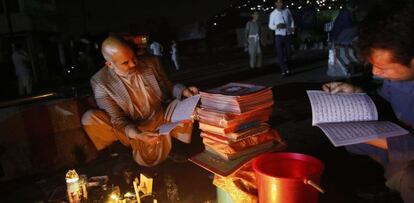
(288, 177)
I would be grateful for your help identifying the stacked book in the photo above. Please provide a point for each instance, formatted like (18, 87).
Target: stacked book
(233, 120)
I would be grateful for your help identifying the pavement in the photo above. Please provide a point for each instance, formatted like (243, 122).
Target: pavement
(344, 176)
(208, 76)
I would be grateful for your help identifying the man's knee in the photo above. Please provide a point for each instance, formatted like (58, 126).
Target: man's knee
(408, 172)
(93, 116)
(406, 188)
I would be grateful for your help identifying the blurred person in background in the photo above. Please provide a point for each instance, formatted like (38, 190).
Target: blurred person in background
(281, 21)
(252, 39)
(21, 64)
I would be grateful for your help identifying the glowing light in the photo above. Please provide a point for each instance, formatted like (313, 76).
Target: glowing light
(73, 67)
(129, 195)
(215, 24)
(68, 71)
(114, 197)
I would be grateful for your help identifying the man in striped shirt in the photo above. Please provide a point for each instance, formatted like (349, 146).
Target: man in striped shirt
(131, 94)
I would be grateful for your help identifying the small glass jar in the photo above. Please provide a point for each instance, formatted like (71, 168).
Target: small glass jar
(73, 187)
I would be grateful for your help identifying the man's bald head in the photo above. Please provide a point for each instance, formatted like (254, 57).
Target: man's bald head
(111, 45)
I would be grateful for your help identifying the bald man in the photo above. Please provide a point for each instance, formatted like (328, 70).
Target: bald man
(131, 94)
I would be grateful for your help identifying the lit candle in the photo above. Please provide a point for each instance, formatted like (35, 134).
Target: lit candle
(135, 183)
(83, 184)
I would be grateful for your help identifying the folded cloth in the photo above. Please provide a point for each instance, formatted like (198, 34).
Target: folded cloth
(240, 185)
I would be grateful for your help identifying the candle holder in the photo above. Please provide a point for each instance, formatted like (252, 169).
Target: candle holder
(76, 188)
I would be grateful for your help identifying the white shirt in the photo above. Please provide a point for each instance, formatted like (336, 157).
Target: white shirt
(156, 49)
(20, 61)
(174, 49)
(283, 16)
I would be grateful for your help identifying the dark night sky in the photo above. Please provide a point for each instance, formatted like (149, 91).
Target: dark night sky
(117, 15)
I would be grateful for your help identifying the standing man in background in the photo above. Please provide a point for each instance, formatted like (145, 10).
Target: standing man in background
(156, 48)
(174, 53)
(20, 61)
(281, 21)
(252, 37)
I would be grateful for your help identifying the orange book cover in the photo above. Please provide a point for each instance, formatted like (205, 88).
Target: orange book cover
(237, 136)
(226, 131)
(239, 143)
(223, 119)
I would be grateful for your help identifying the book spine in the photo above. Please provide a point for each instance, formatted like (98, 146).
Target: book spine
(224, 131)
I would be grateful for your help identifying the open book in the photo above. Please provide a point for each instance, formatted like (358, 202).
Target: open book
(349, 118)
(182, 110)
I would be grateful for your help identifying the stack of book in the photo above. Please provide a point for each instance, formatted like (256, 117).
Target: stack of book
(233, 120)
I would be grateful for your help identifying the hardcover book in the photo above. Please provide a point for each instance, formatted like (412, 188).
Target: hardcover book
(237, 136)
(243, 151)
(229, 131)
(235, 89)
(237, 98)
(224, 120)
(222, 167)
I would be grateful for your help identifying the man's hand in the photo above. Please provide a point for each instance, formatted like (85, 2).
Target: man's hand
(148, 137)
(337, 87)
(379, 143)
(190, 91)
(281, 26)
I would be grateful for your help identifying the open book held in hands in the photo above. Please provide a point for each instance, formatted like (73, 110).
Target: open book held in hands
(349, 118)
(180, 111)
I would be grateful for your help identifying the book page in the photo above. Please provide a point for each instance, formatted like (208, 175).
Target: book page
(165, 129)
(341, 107)
(185, 109)
(182, 111)
(341, 134)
